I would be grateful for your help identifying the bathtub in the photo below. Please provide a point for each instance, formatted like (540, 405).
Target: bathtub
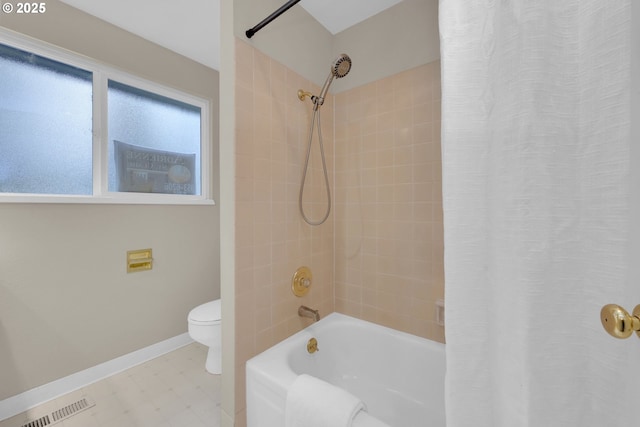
(399, 377)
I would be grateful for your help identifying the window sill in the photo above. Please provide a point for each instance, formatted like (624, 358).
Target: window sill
(118, 199)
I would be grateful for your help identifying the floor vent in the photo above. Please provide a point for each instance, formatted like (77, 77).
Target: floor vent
(62, 413)
(40, 422)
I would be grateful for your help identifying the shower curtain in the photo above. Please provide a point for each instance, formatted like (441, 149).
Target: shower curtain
(536, 147)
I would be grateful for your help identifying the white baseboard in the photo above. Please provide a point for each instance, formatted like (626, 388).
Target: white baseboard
(22, 402)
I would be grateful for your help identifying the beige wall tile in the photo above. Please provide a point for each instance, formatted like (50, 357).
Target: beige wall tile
(271, 240)
(395, 183)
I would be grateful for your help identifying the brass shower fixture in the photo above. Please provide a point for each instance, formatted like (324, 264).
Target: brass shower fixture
(303, 94)
(301, 281)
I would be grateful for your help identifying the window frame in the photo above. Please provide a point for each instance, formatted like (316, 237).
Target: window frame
(102, 73)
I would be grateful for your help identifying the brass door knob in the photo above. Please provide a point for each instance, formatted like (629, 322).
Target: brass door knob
(618, 322)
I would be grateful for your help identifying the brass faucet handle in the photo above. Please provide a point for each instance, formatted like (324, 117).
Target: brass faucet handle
(618, 322)
(301, 281)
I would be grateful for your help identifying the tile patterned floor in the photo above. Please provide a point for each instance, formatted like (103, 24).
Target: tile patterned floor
(172, 390)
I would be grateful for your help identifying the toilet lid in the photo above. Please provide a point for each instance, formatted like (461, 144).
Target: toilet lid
(207, 313)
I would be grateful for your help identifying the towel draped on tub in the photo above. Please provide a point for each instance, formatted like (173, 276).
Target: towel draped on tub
(312, 402)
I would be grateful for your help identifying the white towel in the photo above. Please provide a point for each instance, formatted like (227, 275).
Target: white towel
(312, 402)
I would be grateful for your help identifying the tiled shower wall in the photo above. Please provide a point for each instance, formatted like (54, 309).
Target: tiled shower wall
(387, 218)
(272, 240)
(389, 265)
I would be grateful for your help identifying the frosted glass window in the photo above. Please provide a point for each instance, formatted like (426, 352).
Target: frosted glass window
(45, 125)
(147, 138)
(154, 142)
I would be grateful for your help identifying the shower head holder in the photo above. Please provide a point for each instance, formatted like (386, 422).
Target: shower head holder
(302, 94)
(317, 101)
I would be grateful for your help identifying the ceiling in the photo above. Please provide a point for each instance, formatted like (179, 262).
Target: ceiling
(183, 29)
(338, 15)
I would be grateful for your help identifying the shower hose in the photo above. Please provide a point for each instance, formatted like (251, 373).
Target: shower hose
(316, 115)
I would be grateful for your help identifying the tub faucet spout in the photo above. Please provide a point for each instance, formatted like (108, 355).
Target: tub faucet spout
(305, 311)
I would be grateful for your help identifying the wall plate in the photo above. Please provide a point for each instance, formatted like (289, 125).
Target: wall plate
(139, 260)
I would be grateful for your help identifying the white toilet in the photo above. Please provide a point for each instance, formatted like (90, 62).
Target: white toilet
(204, 327)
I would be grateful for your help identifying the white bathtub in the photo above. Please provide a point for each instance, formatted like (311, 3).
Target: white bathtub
(399, 377)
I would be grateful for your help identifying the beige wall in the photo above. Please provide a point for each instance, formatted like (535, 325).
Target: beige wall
(295, 38)
(389, 234)
(227, 210)
(397, 39)
(66, 302)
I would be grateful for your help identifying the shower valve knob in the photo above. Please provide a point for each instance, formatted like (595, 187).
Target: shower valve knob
(618, 322)
(301, 281)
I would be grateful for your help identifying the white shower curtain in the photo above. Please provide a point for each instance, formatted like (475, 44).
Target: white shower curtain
(536, 145)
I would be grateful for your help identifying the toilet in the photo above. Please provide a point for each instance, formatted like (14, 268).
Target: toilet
(204, 327)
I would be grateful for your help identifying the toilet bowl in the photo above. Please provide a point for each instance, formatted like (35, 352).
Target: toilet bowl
(204, 327)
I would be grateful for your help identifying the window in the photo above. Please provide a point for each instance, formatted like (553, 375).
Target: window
(45, 125)
(154, 142)
(74, 130)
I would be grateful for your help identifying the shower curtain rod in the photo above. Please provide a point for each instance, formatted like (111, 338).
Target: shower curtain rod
(250, 32)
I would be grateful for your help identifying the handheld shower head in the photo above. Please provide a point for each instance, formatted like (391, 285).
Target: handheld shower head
(340, 68)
